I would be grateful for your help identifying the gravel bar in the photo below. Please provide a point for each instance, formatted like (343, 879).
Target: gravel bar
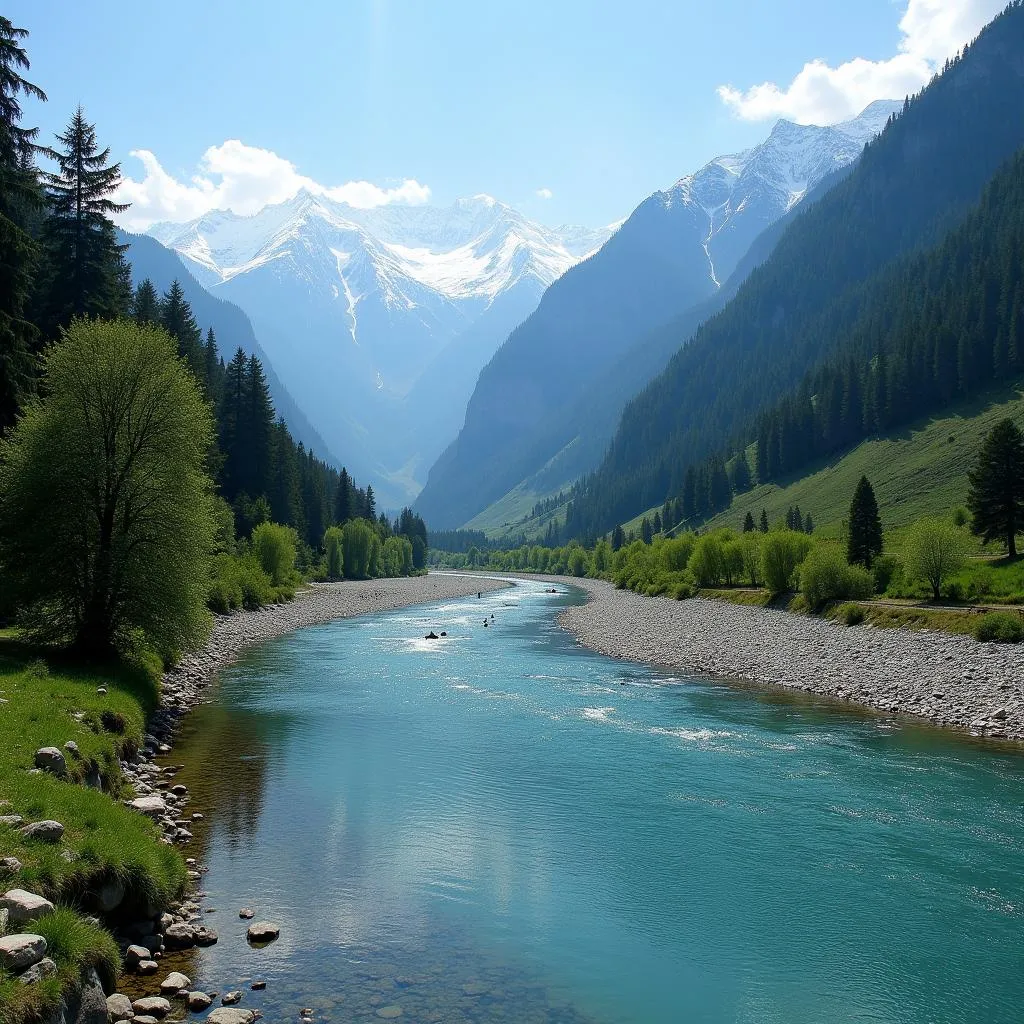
(953, 681)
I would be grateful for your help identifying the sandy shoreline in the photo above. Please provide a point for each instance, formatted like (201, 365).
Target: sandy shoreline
(953, 681)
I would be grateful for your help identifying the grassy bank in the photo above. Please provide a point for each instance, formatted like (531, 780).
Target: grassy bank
(48, 701)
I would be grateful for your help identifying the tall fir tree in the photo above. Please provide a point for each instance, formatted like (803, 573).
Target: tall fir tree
(19, 197)
(763, 523)
(996, 492)
(178, 321)
(86, 267)
(748, 524)
(145, 308)
(343, 499)
(864, 543)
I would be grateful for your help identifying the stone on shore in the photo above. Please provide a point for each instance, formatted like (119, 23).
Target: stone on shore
(174, 983)
(155, 1006)
(23, 906)
(50, 759)
(21, 951)
(119, 1007)
(48, 831)
(135, 954)
(151, 806)
(180, 936)
(263, 931)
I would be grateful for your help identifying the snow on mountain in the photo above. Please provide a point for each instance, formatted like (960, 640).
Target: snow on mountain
(355, 306)
(768, 180)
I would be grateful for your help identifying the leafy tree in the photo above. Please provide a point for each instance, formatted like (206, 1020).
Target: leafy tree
(748, 524)
(864, 542)
(105, 506)
(825, 576)
(782, 551)
(707, 561)
(334, 547)
(578, 564)
(996, 493)
(358, 541)
(86, 264)
(935, 550)
(19, 194)
(275, 547)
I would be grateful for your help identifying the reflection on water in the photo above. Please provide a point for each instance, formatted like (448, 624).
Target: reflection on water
(495, 828)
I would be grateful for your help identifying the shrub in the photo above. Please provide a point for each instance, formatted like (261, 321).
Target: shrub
(333, 541)
(275, 547)
(851, 614)
(781, 552)
(825, 576)
(750, 545)
(707, 563)
(885, 569)
(1000, 627)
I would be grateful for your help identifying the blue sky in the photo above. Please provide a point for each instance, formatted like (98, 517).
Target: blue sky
(597, 103)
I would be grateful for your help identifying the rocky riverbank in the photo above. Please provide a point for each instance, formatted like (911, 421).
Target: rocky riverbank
(953, 681)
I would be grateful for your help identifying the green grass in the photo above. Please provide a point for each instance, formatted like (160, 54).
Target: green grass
(511, 515)
(48, 701)
(75, 945)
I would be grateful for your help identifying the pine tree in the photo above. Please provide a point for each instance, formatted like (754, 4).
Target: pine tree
(232, 426)
(657, 522)
(259, 425)
(618, 538)
(808, 524)
(343, 510)
(798, 519)
(145, 307)
(86, 265)
(996, 493)
(741, 480)
(763, 525)
(178, 321)
(864, 543)
(19, 195)
(371, 503)
(748, 524)
(645, 530)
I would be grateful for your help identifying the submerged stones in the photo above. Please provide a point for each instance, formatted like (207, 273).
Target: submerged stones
(231, 1015)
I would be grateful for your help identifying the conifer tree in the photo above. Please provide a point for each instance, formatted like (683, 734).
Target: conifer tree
(763, 524)
(645, 530)
(343, 510)
(371, 503)
(748, 524)
(19, 195)
(86, 264)
(178, 321)
(618, 538)
(741, 479)
(996, 493)
(232, 426)
(864, 543)
(259, 427)
(145, 304)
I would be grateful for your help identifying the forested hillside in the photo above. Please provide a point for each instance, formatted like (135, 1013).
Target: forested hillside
(912, 186)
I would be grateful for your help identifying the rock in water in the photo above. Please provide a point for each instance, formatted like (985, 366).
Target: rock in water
(50, 759)
(198, 1001)
(23, 906)
(119, 1007)
(19, 952)
(179, 936)
(154, 1006)
(174, 983)
(231, 1015)
(230, 998)
(263, 931)
(247, 913)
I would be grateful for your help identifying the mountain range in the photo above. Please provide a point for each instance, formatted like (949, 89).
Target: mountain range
(546, 405)
(378, 321)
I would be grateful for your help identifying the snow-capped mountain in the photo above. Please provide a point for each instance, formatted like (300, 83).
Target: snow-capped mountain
(354, 307)
(593, 330)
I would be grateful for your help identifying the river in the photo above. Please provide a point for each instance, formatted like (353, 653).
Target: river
(503, 826)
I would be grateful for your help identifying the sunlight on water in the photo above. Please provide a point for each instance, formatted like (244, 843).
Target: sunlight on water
(500, 826)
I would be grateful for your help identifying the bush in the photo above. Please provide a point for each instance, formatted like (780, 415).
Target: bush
(1000, 627)
(825, 576)
(275, 547)
(885, 569)
(333, 541)
(851, 614)
(781, 552)
(240, 582)
(707, 563)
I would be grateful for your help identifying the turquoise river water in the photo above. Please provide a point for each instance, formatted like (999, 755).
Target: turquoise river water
(502, 826)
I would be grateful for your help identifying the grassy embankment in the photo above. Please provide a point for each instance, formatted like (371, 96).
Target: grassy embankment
(48, 701)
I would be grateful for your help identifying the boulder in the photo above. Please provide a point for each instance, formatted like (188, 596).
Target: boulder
(21, 951)
(110, 895)
(135, 954)
(46, 968)
(198, 1001)
(205, 936)
(179, 936)
(147, 967)
(23, 906)
(9, 866)
(174, 983)
(119, 1007)
(45, 831)
(11, 820)
(151, 806)
(263, 931)
(231, 1015)
(247, 913)
(230, 998)
(155, 1006)
(51, 759)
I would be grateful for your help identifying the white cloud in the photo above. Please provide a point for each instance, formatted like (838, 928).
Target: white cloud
(545, 193)
(931, 31)
(243, 179)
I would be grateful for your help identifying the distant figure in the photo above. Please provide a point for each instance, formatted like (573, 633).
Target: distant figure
(492, 615)
(431, 636)
(443, 633)
(479, 594)
(485, 623)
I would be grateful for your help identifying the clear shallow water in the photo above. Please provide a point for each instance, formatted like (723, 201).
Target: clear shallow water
(495, 828)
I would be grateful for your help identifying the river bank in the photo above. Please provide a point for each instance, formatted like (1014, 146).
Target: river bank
(953, 681)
